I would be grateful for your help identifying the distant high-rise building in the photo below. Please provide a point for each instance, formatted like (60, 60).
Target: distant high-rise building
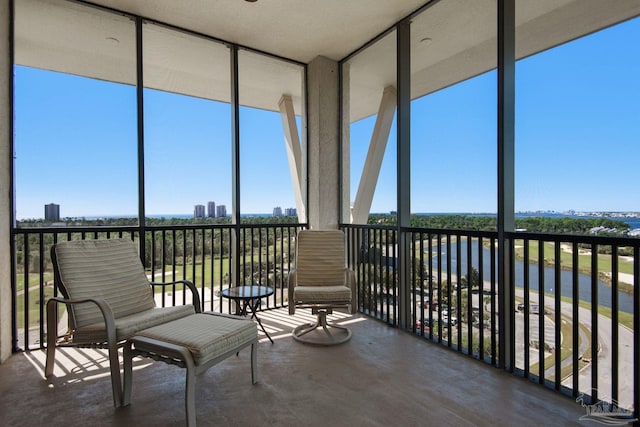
(290, 212)
(198, 211)
(221, 211)
(277, 211)
(211, 209)
(52, 212)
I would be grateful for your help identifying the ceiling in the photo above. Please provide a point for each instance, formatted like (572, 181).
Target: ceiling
(294, 29)
(452, 40)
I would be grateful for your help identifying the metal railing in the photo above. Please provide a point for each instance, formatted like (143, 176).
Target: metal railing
(574, 310)
(203, 254)
(577, 313)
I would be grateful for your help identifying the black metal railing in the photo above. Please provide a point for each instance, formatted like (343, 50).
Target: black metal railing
(372, 255)
(576, 314)
(203, 254)
(573, 311)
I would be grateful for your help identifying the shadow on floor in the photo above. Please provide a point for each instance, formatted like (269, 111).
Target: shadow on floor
(381, 377)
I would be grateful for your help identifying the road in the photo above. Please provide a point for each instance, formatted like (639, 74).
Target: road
(604, 357)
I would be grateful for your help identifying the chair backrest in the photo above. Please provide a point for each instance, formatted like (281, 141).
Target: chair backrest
(320, 258)
(108, 269)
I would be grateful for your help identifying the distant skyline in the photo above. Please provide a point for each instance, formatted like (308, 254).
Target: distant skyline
(577, 142)
(631, 214)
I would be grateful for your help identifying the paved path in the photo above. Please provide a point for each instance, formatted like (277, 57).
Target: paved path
(604, 357)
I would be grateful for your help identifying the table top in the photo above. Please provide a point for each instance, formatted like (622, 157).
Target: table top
(247, 292)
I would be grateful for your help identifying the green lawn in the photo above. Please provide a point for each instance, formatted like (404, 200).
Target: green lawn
(206, 277)
(566, 349)
(34, 307)
(34, 280)
(566, 258)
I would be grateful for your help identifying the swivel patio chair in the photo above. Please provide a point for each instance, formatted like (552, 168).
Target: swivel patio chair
(321, 281)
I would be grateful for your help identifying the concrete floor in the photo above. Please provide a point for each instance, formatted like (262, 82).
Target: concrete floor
(382, 377)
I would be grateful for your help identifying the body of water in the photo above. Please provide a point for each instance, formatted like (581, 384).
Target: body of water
(625, 301)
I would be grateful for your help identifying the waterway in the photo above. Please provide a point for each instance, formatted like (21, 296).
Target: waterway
(625, 301)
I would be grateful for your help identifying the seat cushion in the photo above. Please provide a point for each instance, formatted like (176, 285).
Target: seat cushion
(205, 335)
(129, 326)
(322, 294)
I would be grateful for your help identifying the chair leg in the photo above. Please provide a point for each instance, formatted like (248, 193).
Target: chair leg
(254, 363)
(52, 336)
(114, 367)
(51, 355)
(190, 395)
(128, 374)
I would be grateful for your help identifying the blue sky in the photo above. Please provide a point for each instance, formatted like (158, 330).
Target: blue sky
(577, 134)
(577, 142)
(82, 154)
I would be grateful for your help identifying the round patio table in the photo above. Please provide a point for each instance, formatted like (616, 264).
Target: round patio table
(249, 298)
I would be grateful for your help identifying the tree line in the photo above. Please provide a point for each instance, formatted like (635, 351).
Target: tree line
(189, 244)
(153, 221)
(537, 224)
(195, 240)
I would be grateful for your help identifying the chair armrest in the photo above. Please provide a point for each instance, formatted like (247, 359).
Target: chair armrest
(188, 284)
(105, 309)
(291, 284)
